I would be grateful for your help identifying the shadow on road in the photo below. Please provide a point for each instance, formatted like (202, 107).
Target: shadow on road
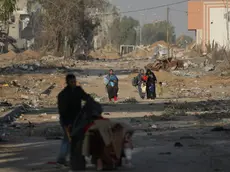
(202, 150)
(200, 107)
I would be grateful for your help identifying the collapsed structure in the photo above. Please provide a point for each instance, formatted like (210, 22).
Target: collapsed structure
(166, 64)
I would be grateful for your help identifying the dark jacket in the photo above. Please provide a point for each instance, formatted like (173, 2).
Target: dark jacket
(151, 78)
(91, 111)
(69, 103)
(139, 76)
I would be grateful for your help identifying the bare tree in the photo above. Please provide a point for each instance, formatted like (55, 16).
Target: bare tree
(69, 24)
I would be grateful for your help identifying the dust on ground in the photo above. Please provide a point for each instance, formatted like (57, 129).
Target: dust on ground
(180, 121)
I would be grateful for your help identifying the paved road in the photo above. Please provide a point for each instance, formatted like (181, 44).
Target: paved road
(204, 151)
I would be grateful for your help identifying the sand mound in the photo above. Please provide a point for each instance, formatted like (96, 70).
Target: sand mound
(26, 55)
(10, 54)
(163, 43)
(30, 54)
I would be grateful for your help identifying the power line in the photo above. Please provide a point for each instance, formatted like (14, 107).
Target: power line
(155, 7)
(172, 9)
(186, 12)
(147, 9)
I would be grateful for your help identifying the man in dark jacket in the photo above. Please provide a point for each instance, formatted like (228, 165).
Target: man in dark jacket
(69, 106)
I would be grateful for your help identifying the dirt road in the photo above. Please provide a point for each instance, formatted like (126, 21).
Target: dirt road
(201, 151)
(173, 133)
(162, 143)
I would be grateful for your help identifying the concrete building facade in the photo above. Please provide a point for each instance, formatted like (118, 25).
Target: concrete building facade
(208, 18)
(20, 26)
(20, 21)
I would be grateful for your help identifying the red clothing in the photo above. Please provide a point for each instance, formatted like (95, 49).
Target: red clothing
(91, 124)
(144, 78)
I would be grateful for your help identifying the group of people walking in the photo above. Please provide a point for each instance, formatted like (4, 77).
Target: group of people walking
(146, 84)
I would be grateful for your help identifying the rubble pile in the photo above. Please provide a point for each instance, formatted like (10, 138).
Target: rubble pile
(193, 93)
(185, 73)
(166, 64)
(31, 91)
(13, 123)
(34, 66)
(11, 115)
(52, 64)
(211, 109)
(20, 129)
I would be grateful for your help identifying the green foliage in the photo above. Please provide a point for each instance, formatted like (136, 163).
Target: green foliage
(123, 31)
(153, 32)
(126, 31)
(7, 8)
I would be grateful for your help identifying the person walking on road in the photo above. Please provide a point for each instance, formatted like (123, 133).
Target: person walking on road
(151, 85)
(142, 79)
(111, 82)
(69, 106)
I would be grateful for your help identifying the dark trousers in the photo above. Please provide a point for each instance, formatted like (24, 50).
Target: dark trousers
(77, 160)
(151, 94)
(112, 91)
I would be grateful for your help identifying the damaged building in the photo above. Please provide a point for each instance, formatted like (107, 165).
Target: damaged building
(20, 28)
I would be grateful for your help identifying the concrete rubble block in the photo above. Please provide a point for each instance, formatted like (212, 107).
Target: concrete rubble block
(209, 68)
(48, 91)
(11, 115)
(165, 64)
(25, 97)
(43, 115)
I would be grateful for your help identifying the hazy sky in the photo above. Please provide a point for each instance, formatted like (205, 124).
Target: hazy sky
(178, 14)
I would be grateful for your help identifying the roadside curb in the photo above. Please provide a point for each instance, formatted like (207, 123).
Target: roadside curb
(11, 115)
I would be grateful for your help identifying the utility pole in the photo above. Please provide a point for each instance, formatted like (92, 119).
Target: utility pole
(168, 29)
(140, 29)
(140, 35)
(136, 36)
(227, 25)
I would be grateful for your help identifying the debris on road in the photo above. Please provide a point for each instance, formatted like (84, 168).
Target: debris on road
(5, 104)
(209, 68)
(13, 114)
(43, 114)
(187, 138)
(48, 90)
(165, 153)
(220, 129)
(167, 64)
(178, 144)
(130, 100)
